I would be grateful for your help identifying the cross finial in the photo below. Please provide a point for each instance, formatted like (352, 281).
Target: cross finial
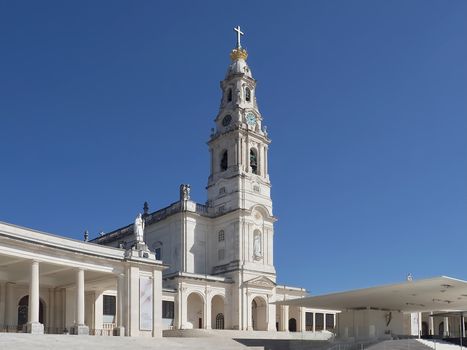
(239, 34)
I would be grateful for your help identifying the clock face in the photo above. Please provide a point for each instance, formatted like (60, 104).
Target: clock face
(250, 119)
(227, 119)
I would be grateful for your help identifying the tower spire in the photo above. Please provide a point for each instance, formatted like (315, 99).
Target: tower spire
(238, 53)
(239, 35)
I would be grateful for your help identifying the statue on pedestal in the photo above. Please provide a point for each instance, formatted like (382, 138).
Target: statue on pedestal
(138, 229)
(184, 192)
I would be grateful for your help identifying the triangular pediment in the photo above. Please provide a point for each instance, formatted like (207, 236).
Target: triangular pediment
(261, 281)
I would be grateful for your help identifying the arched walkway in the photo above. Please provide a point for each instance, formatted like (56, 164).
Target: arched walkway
(23, 310)
(217, 312)
(258, 314)
(195, 313)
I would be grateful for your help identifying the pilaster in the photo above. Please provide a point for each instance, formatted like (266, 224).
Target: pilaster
(157, 304)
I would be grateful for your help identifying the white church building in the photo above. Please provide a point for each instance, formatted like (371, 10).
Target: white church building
(193, 269)
(187, 266)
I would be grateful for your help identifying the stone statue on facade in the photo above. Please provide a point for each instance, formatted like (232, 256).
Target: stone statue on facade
(138, 229)
(257, 246)
(185, 192)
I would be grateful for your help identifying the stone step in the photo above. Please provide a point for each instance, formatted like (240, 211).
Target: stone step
(403, 344)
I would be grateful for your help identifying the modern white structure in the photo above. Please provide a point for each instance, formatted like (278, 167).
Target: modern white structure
(421, 308)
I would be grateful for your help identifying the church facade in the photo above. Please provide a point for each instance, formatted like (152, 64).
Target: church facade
(220, 254)
(187, 267)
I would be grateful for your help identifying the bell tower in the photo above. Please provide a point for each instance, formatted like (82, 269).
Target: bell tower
(239, 144)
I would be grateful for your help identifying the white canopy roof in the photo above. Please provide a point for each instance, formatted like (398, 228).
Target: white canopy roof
(432, 294)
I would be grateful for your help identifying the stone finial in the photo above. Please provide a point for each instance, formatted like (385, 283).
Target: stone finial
(146, 209)
(86, 235)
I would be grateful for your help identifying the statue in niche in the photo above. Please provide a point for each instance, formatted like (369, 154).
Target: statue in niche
(138, 229)
(257, 245)
(185, 192)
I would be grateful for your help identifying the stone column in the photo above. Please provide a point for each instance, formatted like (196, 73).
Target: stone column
(2, 304)
(463, 326)
(249, 313)
(446, 326)
(33, 326)
(207, 311)
(284, 313)
(178, 309)
(431, 325)
(51, 311)
(302, 323)
(270, 315)
(79, 327)
(419, 325)
(157, 304)
(132, 329)
(314, 321)
(8, 294)
(120, 330)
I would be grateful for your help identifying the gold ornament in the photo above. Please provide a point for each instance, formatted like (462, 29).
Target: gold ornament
(238, 53)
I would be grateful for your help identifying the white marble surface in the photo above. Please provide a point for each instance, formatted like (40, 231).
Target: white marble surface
(439, 345)
(59, 342)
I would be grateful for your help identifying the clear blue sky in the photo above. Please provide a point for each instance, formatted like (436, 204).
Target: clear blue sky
(107, 104)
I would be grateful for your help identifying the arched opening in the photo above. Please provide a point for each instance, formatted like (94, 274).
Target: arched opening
(247, 94)
(229, 95)
(23, 310)
(253, 161)
(258, 314)
(425, 329)
(195, 307)
(292, 325)
(217, 312)
(224, 161)
(441, 329)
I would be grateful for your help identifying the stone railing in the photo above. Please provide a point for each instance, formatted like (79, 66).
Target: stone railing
(106, 330)
(202, 209)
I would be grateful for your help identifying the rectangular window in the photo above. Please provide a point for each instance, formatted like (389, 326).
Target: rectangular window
(167, 309)
(158, 253)
(329, 322)
(109, 308)
(319, 319)
(309, 321)
(221, 236)
(221, 254)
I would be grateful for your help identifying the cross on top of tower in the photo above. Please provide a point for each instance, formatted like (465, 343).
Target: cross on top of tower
(239, 34)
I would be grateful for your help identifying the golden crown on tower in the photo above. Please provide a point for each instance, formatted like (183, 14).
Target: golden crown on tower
(238, 53)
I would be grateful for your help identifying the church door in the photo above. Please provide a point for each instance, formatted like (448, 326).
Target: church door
(292, 325)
